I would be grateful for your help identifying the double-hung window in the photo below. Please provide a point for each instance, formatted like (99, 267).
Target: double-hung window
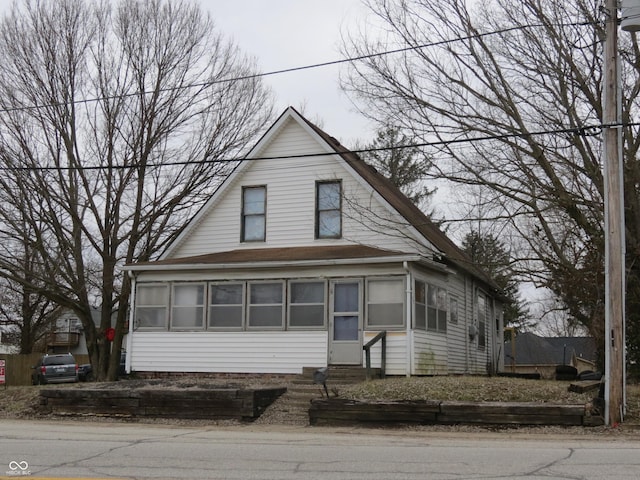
(266, 305)
(187, 309)
(329, 209)
(226, 308)
(430, 307)
(307, 304)
(385, 303)
(151, 306)
(254, 214)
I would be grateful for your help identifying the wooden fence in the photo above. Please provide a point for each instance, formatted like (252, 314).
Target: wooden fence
(18, 367)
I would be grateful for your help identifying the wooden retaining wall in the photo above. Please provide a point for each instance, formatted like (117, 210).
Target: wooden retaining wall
(336, 411)
(188, 404)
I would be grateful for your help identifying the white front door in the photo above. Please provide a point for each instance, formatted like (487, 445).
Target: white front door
(345, 322)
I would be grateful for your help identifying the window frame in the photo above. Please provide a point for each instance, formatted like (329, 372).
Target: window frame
(249, 285)
(318, 211)
(454, 311)
(482, 321)
(368, 303)
(290, 303)
(244, 216)
(165, 306)
(201, 307)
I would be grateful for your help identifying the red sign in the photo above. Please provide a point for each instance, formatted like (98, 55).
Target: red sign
(110, 333)
(2, 373)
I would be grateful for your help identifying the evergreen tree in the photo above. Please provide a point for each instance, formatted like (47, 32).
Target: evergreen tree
(490, 254)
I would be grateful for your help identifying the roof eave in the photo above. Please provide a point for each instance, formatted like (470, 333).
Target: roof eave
(160, 267)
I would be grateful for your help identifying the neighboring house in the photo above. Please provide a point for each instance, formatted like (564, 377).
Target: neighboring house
(67, 334)
(300, 258)
(533, 354)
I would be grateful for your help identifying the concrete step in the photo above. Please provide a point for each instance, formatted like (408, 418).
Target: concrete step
(339, 375)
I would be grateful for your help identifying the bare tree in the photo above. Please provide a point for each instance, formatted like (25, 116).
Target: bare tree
(507, 93)
(116, 121)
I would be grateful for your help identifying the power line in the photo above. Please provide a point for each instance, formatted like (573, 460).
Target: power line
(589, 130)
(294, 69)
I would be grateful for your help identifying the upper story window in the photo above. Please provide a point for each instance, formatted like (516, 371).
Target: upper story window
(254, 214)
(329, 209)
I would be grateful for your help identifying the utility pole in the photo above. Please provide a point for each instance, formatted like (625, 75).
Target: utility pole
(614, 224)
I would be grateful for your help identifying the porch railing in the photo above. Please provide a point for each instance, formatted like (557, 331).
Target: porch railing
(382, 337)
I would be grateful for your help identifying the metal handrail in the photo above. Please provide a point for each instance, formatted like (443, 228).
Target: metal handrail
(382, 336)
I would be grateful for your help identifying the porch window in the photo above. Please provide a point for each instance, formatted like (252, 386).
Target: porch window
(266, 307)
(385, 303)
(436, 298)
(226, 305)
(151, 306)
(328, 209)
(188, 306)
(307, 304)
(254, 214)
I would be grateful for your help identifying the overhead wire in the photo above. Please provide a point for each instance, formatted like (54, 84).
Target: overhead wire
(575, 130)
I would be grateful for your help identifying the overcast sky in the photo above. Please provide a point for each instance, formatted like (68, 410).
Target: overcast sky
(284, 34)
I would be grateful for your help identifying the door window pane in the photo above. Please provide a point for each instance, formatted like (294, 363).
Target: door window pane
(345, 328)
(346, 297)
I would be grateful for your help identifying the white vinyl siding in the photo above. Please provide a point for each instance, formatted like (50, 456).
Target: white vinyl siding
(228, 352)
(430, 354)
(396, 352)
(291, 203)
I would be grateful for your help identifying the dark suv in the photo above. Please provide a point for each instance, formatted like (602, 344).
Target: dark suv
(55, 369)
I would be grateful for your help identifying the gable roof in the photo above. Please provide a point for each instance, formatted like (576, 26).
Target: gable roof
(532, 349)
(450, 252)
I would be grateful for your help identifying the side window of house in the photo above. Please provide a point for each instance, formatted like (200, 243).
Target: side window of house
(430, 307)
(187, 309)
(307, 300)
(482, 321)
(266, 305)
(226, 308)
(329, 209)
(385, 303)
(254, 214)
(420, 289)
(151, 306)
(453, 309)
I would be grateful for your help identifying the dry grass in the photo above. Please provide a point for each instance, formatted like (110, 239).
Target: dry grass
(482, 389)
(21, 401)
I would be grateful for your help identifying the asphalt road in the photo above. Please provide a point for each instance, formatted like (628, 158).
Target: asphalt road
(62, 449)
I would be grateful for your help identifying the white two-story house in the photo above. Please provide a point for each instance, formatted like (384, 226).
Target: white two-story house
(302, 256)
